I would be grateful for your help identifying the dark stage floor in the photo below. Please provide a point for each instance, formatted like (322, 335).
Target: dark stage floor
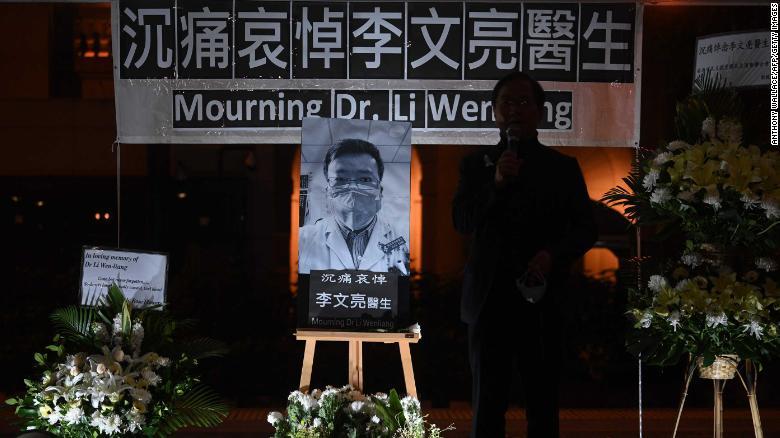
(575, 423)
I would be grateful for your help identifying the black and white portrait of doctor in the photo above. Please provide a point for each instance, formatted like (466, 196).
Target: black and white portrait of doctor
(352, 233)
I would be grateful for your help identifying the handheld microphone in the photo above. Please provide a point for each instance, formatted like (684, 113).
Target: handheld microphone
(513, 140)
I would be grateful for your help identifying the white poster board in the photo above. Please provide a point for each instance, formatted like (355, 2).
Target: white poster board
(739, 58)
(142, 276)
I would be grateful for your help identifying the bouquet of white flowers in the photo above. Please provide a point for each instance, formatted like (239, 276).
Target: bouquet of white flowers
(114, 385)
(344, 412)
(706, 316)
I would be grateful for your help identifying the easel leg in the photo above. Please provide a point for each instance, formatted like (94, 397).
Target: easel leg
(356, 365)
(406, 361)
(688, 377)
(308, 361)
(752, 379)
(718, 408)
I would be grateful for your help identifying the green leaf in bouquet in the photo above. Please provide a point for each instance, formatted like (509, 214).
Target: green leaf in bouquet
(199, 407)
(201, 348)
(12, 402)
(74, 323)
(39, 358)
(384, 414)
(709, 358)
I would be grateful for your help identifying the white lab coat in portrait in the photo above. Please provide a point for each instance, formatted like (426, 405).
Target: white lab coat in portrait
(321, 246)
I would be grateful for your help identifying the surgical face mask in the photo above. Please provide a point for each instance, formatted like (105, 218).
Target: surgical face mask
(354, 208)
(533, 291)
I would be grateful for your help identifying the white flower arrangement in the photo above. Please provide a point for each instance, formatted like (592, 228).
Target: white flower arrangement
(707, 316)
(346, 412)
(111, 387)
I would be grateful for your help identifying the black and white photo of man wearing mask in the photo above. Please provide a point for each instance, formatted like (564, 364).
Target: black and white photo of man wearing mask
(353, 235)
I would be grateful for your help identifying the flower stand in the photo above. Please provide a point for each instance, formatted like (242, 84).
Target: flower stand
(721, 371)
(356, 340)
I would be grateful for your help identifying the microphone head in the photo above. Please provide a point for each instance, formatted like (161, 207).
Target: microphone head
(512, 136)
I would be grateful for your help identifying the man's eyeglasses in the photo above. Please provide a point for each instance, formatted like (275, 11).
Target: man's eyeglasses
(522, 101)
(363, 182)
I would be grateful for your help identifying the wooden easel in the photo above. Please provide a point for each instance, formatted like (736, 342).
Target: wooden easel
(356, 340)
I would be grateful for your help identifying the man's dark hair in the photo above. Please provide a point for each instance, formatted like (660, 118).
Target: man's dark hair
(520, 76)
(354, 146)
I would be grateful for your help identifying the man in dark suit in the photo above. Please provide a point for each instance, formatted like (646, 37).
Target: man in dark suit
(528, 211)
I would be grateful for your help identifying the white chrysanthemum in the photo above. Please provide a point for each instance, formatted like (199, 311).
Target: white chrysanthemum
(150, 376)
(73, 416)
(411, 408)
(691, 259)
(674, 320)
(316, 393)
(316, 423)
(656, 283)
(141, 395)
(356, 406)
(749, 200)
(716, 319)
(646, 320)
(55, 416)
(136, 337)
(660, 195)
(108, 424)
(651, 179)
(771, 209)
(381, 396)
(135, 420)
(308, 402)
(754, 328)
(730, 131)
(116, 327)
(663, 158)
(100, 331)
(765, 263)
(275, 417)
(712, 199)
(677, 144)
(708, 128)
(375, 419)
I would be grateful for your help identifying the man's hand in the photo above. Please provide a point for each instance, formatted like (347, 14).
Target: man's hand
(507, 168)
(541, 263)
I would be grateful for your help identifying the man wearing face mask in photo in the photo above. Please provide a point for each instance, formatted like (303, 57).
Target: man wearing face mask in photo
(353, 236)
(529, 214)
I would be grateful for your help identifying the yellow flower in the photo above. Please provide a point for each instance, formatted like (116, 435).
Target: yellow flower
(140, 407)
(667, 297)
(45, 411)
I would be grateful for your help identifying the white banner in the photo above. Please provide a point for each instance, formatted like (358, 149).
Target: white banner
(248, 71)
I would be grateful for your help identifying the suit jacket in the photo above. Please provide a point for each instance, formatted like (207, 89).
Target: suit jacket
(322, 246)
(545, 207)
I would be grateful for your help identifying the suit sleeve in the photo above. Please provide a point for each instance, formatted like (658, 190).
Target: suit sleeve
(581, 233)
(474, 198)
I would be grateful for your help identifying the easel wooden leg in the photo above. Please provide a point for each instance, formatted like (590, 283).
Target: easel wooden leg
(356, 365)
(406, 361)
(751, 374)
(688, 378)
(308, 361)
